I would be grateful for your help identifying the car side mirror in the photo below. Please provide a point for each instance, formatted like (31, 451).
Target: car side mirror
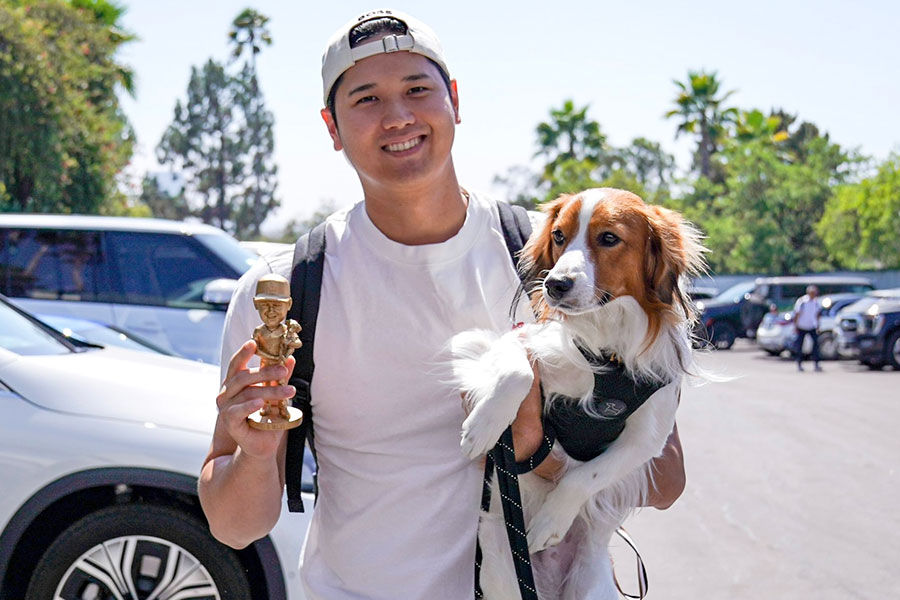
(218, 292)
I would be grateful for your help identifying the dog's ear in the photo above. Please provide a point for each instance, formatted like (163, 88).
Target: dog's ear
(537, 255)
(673, 251)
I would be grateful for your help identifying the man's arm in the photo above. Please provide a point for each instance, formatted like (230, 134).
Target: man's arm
(242, 480)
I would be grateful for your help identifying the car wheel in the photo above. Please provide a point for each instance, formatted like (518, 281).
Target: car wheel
(827, 347)
(722, 336)
(771, 352)
(135, 552)
(893, 350)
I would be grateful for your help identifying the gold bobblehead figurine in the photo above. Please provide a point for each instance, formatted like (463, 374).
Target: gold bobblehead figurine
(276, 339)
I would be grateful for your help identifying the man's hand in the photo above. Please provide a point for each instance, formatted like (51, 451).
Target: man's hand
(528, 431)
(244, 392)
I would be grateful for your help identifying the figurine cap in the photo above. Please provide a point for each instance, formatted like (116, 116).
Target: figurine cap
(339, 56)
(273, 287)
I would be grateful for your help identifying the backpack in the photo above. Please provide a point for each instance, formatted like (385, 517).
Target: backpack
(306, 287)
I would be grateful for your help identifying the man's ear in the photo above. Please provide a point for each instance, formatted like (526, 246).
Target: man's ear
(331, 124)
(454, 99)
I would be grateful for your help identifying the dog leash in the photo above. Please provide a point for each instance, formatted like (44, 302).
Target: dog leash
(502, 458)
(643, 584)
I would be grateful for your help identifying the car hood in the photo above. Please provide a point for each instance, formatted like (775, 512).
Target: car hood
(118, 384)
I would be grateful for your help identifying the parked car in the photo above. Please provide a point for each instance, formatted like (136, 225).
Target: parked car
(99, 334)
(880, 344)
(776, 332)
(851, 321)
(167, 281)
(739, 310)
(100, 449)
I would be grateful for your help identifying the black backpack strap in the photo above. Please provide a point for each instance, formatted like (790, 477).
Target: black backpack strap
(306, 287)
(516, 228)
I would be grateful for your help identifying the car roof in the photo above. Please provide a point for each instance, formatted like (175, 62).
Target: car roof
(95, 223)
(813, 279)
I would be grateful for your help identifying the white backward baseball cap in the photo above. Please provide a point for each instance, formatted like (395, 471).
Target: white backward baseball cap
(339, 56)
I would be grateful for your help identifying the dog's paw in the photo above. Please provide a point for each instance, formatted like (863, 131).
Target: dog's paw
(481, 430)
(551, 523)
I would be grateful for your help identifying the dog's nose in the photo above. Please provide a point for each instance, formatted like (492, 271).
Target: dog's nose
(557, 287)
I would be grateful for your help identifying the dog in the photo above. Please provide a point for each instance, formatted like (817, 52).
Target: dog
(606, 275)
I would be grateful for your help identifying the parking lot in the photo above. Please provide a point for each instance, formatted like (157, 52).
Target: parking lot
(792, 486)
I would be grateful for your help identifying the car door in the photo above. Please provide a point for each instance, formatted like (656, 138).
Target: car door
(57, 272)
(162, 276)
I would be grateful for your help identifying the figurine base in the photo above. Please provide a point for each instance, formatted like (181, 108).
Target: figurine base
(276, 422)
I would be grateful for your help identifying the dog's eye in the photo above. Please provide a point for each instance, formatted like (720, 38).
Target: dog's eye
(558, 237)
(608, 239)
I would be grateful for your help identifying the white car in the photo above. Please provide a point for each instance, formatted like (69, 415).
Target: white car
(169, 282)
(100, 449)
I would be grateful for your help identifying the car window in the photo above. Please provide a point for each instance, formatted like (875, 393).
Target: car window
(228, 249)
(792, 291)
(20, 335)
(164, 269)
(53, 265)
(736, 292)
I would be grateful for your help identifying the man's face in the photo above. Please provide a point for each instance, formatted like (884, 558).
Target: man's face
(272, 312)
(396, 119)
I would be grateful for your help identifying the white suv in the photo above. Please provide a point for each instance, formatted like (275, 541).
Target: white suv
(166, 281)
(100, 449)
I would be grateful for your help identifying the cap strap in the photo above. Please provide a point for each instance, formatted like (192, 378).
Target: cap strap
(389, 43)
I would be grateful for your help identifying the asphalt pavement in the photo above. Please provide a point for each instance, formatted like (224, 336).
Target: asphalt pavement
(792, 486)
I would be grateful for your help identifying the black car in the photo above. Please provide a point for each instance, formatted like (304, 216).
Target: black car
(738, 311)
(880, 344)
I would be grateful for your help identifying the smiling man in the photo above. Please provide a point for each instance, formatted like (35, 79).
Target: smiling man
(416, 261)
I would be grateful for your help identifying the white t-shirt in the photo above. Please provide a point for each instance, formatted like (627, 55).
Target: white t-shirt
(806, 312)
(398, 502)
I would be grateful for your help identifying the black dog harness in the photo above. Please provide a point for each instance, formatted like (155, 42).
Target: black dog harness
(616, 397)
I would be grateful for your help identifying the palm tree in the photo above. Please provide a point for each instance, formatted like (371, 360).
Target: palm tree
(570, 136)
(701, 113)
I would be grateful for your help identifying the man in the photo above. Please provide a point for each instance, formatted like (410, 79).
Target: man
(418, 260)
(806, 323)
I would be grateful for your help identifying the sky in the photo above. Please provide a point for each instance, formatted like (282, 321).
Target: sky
(830, 62)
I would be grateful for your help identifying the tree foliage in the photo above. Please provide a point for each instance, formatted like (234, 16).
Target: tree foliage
(221, 139)
(779, 196)
(860, 226)
(64, 138)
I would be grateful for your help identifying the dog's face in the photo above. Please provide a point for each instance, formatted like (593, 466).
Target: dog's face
(603, 244)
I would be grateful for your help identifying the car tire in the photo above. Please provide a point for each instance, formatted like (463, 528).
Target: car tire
(772, 352)
(827, 347)
(893, 350)
(144, 547)
(722, 336)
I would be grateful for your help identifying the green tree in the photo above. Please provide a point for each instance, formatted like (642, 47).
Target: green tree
(570, 136)
(248, 33)
(65, 138)
(651, 167)
(860, 224)
(161, 203)
(204, 144)
(701, 112)
(574, 154)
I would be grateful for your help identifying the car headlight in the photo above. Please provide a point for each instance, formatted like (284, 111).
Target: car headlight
(878, 323)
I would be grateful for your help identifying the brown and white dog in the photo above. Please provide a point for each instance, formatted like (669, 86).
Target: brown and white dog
(608, 273)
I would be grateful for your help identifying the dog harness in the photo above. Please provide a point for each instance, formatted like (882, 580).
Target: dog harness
(617, 395)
